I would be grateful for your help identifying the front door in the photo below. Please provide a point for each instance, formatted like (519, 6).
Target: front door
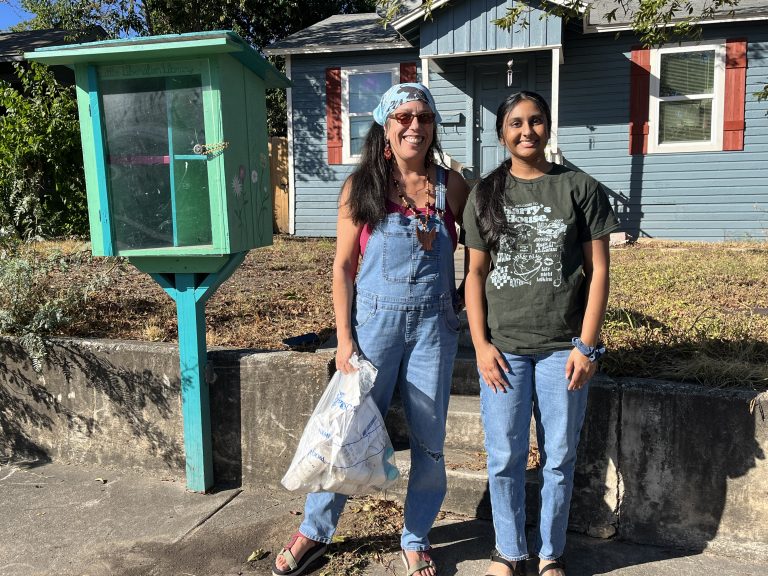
(490, 90)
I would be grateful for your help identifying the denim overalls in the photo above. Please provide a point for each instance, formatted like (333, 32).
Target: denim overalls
(404, 323)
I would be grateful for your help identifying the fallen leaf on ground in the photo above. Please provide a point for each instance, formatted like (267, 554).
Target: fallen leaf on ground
(257, 554)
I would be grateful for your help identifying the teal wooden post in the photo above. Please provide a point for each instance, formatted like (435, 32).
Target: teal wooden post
(194, 387)
(191, 293)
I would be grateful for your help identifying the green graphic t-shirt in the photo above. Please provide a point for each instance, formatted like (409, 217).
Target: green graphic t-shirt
(535, 290)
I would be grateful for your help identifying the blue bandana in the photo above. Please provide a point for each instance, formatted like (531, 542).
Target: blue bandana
(398, 95)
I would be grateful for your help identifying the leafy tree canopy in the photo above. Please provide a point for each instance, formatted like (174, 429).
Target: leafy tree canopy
(42, 192)
(260, 22)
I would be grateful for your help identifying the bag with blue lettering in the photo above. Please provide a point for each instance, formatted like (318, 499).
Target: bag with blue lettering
(345, 447)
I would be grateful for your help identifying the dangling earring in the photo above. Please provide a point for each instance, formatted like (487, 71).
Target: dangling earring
(387, 150)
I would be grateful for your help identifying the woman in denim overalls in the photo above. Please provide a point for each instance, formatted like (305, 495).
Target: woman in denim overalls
(397, 310)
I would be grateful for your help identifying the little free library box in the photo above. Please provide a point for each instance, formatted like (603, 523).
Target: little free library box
(174, 133)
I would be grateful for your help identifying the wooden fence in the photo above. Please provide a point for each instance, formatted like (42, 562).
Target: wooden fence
(278, 173)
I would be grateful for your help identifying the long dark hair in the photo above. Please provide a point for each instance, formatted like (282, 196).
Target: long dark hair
(369, 183)
(489, 197)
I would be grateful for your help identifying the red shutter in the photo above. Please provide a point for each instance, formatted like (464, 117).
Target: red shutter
(735, 93)
(333, 113)
(640, 85)
(408, 72)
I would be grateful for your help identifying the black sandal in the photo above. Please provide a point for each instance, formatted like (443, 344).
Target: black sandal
(556, 564)
(518, 568)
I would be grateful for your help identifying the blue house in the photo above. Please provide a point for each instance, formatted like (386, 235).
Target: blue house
(675, 133)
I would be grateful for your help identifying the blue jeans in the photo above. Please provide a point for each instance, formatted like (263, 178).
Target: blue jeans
(537, 382)
(412, 342)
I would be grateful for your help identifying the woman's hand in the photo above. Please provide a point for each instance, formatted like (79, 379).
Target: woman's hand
(491, 365)
(344, 352)
(578, 369)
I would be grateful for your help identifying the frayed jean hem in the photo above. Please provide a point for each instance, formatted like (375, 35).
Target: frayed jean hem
(425, 548)
(316, 538)
(499, 553)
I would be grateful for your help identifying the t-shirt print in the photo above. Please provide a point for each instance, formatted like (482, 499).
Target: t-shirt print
(534, 252)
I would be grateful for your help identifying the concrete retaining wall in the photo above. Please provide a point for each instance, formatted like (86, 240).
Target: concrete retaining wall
(660, 463)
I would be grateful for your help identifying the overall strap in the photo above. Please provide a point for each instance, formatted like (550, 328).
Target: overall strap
(441, 175)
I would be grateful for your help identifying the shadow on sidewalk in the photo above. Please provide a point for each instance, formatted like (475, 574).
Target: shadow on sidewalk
(472, 540)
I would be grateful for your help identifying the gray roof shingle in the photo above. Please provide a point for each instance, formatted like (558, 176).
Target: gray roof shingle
(14, 44)
(343, 32)
(745, 8)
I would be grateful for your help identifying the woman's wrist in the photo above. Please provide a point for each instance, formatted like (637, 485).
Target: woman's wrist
(343, 336)
(593, 353)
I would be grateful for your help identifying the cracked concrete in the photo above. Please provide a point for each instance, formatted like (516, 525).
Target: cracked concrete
(61, 520)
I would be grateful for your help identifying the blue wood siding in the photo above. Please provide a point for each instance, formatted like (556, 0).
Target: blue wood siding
(453, 100)
(692, 196)
(710, 196)
(317, 184)
(455, 89)
(468, 26)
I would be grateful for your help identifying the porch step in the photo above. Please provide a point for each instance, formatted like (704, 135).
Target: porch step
(464, 429)
(467, 483)
(465, 380)
(464, 426)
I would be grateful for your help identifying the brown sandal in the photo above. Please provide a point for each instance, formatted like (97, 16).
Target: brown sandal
(518, 568)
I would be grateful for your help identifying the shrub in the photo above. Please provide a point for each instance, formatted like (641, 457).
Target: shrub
(36, 300)
(42, 185)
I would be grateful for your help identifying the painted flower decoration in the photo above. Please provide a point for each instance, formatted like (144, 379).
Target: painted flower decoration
(237, 186)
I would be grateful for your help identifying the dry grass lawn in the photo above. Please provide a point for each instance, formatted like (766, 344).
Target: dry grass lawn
(683, 311)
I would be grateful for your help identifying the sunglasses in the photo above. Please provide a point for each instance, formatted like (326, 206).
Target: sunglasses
(406, 118)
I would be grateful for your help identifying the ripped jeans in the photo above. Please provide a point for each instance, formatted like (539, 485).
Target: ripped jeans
(413, 344)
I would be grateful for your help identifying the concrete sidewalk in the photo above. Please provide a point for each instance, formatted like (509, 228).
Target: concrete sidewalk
(64, 520)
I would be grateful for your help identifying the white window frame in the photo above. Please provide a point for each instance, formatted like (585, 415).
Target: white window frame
(394, 69)
(715, 142)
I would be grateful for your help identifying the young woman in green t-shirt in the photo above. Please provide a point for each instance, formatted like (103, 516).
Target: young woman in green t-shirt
(536, 293)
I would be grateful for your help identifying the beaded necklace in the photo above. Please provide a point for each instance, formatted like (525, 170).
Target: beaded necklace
(424, 233)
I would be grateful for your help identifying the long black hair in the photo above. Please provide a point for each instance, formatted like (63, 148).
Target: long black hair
(489, 197)
(369, 183)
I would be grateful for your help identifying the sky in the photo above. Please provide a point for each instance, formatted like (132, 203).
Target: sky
(11, 14)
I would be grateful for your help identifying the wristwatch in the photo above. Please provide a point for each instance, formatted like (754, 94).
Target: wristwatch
(593, 353)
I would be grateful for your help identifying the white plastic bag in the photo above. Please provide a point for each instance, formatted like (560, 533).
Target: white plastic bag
(345, 447)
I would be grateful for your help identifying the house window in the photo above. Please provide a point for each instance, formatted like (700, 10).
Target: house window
(361, 90)
(686, 98)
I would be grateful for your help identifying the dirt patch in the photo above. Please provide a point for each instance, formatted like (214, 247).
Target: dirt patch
(279, 292)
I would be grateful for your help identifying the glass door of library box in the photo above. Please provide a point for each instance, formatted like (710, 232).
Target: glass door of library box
(155, 155)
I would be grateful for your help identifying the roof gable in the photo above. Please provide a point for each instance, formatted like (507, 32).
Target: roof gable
(467, 27)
